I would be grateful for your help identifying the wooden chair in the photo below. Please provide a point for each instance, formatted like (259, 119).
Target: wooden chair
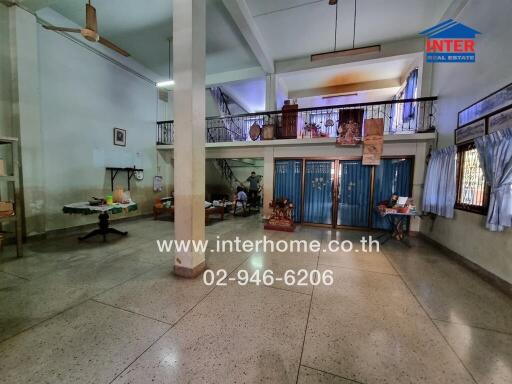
(243, 205)
(159, 208)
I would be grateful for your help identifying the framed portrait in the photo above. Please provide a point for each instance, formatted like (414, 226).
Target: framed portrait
(120, 137)
(494, 102)
(373, 141)
(500, 121)
(470, 132)
(350, 127)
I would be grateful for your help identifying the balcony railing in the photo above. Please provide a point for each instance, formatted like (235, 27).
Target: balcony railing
(400, 117)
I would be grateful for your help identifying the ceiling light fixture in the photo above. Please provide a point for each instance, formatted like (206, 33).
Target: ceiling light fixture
(170, 82)
(166, 83)
(345, 52)
(339, 95)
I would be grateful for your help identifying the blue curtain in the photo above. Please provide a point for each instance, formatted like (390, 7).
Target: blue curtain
(392, 177)
(495, 152)
(440, 188)
(354, 193)
(318, 185)
(410, 93)
(288, 183)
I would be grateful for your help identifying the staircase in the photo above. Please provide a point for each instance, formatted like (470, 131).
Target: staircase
(227, 174)
(230, 130)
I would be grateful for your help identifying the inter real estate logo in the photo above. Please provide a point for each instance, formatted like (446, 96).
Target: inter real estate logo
(450, 42)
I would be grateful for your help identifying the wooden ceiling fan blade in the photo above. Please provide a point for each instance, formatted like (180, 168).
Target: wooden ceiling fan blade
(61, 29)
(91, 21)
(112, 46)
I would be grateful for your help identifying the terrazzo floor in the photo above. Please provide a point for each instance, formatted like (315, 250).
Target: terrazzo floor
(113, 312)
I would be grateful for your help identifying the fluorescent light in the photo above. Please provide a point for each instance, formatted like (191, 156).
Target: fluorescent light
(165, 83)
(340, 95)
(346, 52)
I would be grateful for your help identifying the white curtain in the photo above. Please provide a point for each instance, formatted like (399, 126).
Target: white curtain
(440, 183)
(495, 151)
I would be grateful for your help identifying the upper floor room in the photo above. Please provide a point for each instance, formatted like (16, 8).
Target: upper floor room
(259, 53)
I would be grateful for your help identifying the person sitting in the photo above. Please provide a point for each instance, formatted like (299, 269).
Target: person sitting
(240, 200)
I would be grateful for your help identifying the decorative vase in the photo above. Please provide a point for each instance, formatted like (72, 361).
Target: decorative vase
(118, 195)
(268, 132)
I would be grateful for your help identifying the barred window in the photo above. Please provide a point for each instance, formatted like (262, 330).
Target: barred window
(472, 190)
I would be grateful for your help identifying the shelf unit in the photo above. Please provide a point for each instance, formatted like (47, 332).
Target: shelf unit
(114, 171)
(11, 184)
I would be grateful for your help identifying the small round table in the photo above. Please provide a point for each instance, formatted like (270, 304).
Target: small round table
(104, 219)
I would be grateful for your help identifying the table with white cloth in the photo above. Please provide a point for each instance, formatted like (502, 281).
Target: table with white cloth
(85, 208)
(398, 229)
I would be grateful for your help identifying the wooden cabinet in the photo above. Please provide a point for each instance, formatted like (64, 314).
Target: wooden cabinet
(288, 128)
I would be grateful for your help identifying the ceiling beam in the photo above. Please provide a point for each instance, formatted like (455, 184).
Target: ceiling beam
(231, 76)
(453, 9)
(345, 88)
(241, 14)
(388, 50)
(35, 5)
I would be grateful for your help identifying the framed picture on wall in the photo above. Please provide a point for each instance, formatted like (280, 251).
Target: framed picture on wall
(120, 137)
(470, 132)
(495, 101)
(350, 126)
(500, 121)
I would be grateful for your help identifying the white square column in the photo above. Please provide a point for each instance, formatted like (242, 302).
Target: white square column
(270, 92)
(189, 26)
(268, 181)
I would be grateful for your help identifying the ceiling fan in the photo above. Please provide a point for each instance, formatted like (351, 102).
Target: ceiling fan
(90, 32)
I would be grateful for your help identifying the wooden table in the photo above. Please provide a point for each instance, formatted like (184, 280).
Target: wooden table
(212, 210)
(397, 230)
(84, 208)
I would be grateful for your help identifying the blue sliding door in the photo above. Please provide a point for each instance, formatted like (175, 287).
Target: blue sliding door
(288, 184)
(392, 177)
(354, 186)
(318, 188)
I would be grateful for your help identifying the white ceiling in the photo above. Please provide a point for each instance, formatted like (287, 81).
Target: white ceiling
(143, 27)
(250, 94)
(347, 73)
(290, 28)
(295, 28)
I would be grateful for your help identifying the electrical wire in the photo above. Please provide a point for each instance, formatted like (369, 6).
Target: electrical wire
(355, 17)
(335, 27)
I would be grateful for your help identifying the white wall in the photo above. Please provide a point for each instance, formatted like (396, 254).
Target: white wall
(212, 109)
(281, 92)
(83, 97)
(458, 86)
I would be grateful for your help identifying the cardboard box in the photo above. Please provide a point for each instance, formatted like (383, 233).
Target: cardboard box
(6, 206)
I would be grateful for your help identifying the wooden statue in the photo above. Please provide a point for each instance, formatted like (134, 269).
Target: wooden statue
(281, 219)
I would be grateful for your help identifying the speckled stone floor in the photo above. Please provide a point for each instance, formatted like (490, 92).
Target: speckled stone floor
(112, 312)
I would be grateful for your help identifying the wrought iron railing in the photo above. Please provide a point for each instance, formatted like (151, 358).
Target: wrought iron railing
(400, 117)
